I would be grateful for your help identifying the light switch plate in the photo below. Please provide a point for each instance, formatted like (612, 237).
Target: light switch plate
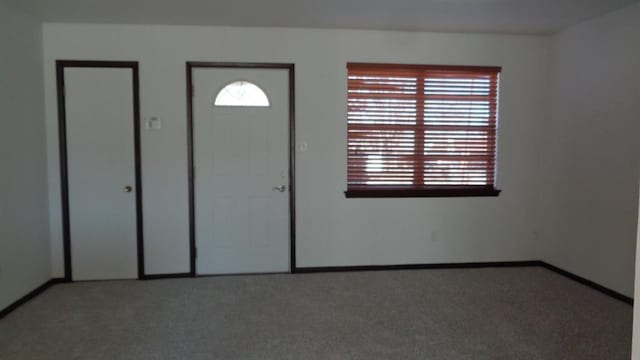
(154, 123)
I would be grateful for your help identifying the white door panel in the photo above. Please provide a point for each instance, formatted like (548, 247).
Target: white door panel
(240, 155)
(101, 162)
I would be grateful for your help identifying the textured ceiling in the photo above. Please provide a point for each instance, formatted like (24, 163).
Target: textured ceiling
(495, 16)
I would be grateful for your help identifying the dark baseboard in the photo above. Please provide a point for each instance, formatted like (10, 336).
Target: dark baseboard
(166, 276)
(469, 265)
(37, 291)
(244, 274)
(307, 270)
(589, 283)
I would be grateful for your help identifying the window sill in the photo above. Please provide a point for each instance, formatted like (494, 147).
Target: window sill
(465, 191)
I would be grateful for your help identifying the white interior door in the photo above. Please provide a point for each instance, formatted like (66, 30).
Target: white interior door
(101, 165)
(241, 172)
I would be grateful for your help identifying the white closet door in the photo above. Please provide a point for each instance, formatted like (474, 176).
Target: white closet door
(99, 106)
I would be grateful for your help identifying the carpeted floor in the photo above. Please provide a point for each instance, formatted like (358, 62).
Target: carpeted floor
(493, 313)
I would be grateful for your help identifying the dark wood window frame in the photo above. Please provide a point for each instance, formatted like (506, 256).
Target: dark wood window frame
(402, 164)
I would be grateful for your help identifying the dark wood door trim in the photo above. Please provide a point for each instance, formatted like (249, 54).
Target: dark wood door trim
(61, 65)
(190, 144)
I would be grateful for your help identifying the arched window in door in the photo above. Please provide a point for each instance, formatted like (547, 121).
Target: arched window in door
(242, 93)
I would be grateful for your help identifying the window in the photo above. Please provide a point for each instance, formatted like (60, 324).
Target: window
(420, 130)
(241, 93)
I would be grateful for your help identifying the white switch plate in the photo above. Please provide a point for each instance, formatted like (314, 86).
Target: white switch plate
(154, 123)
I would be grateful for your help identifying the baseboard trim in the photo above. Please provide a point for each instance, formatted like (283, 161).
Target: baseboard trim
(589, 283)
(166, 276)
(324, 269)
(23, 300)
(468, 265)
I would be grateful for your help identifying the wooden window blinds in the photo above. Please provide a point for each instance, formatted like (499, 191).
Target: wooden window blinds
(421, 130)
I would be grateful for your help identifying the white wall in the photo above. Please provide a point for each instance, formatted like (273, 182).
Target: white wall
(332, 230)
(593, 153)
(24, 228)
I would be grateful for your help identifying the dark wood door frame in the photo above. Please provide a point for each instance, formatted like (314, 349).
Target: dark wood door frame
(61, 65)
(190, 143)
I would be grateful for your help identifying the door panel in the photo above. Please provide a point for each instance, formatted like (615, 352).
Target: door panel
(101, 163)
(240, 155)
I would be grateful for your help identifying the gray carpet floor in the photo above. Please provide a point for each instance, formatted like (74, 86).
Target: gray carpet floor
(493, 313)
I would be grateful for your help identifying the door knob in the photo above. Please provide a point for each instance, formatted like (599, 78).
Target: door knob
(127, 189)
(280, 188)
